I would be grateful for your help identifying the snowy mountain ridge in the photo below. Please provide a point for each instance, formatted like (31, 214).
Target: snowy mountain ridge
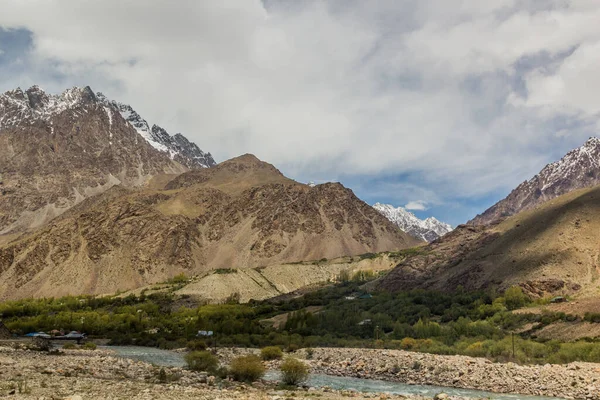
(579, 168)
(22, 108)
(428, 229)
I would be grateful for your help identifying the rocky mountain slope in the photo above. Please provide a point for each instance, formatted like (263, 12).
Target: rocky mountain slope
(56, 150)
(177, 146)
(428, 229)
(243, 213)
(580, 168)
(551, 249)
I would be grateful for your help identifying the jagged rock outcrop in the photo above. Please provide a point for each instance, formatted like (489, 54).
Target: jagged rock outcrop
(177, 146)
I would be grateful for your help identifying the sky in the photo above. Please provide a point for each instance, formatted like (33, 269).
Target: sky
(442, 106)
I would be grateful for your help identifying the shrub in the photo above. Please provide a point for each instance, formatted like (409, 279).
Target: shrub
(408, 343)
(271, 353)
(363, 276)
(225, 271)
(90, 346)
(310, 353)
(162, 376)
(201, 361)
(292, 347)
(196, 345)
(69, 346)
(165, 377)
(293, 371)
(179, 279)
(247, 368)
(344, 276)
(40, 344)
(221, 372)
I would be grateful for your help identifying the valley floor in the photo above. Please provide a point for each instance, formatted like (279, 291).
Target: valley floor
(79, 374)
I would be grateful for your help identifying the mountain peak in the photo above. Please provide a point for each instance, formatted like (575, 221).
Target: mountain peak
(579, 168)
(247, 162)
(429, 229)
(245, 159)
(19, 108)
(178, 147)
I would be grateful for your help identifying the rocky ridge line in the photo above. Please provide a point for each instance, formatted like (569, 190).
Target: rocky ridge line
(579, 168)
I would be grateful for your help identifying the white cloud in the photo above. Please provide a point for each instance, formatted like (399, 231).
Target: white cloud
(464, 94)
(418, 205)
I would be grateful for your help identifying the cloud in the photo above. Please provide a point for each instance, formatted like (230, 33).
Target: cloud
(462, 99)
(419, 205)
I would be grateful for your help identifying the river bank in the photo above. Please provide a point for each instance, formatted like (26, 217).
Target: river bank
(576, 380)
(98, 374)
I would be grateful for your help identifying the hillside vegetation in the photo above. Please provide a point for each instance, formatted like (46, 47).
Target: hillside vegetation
(478, 323)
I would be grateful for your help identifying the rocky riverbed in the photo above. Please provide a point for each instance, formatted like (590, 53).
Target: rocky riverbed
(80, 374)
(83, 375)
(576, 380)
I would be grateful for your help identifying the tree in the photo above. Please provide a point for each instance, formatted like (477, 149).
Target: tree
(515, 298)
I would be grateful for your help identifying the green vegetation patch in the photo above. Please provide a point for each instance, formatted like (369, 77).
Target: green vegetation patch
(478, 323)
(225, 271)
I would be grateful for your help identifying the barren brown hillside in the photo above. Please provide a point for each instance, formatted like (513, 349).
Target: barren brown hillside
(242, 213)
(554, 248)
(57, 150)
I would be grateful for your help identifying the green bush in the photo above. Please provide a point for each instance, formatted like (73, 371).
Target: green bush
(179, 279)
(201, 361)
(293, 371)
(271, 353)
(515, 298)
(69, 346)
(310, 353)
(196, 345)
(225, 271)
(363, 276)
(247, 368)
(89, 346)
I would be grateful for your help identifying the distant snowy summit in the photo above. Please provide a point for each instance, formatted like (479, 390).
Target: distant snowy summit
(25, 108)
(428, 229)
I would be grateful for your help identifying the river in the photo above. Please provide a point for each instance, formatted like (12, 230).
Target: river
(172, 359)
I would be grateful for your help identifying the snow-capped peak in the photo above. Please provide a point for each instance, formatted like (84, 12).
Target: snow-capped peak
(177, 146)
(428, 229)
(579, 168)
(23, 108)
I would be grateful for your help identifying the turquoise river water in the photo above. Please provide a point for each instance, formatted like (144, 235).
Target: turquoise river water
(171, 359)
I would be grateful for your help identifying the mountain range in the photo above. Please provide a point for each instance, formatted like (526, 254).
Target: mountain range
(427, 230)
(242, 213)
(95, 200)
(543, 237)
